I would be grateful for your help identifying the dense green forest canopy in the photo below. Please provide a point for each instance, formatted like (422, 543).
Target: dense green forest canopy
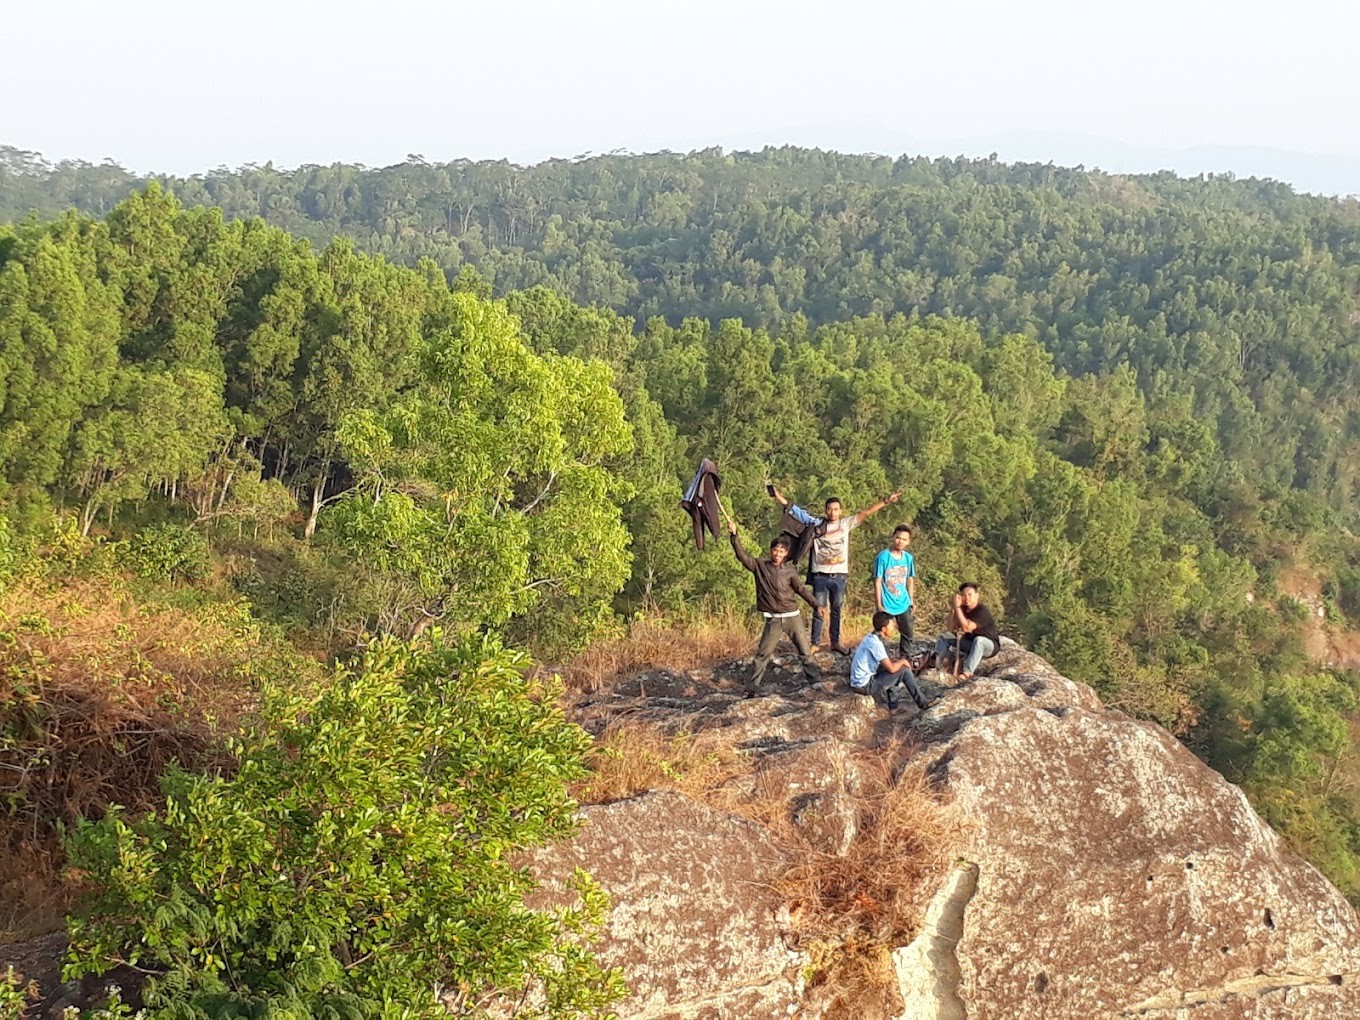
(472, 393)
(1238, 296)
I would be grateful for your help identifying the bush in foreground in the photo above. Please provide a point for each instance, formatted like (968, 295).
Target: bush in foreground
(358, 862)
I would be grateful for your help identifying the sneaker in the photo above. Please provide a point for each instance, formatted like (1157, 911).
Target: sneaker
(928, 704)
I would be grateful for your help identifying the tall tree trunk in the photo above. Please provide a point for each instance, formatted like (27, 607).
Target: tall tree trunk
(226, 484)
(87, 517)
(318, 490)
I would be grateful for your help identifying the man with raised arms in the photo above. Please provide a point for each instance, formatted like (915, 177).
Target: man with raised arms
(778, 589)
(830, 556)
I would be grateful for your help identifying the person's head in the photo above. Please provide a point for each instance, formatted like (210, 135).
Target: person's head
(779, 550)
(901, 537)
(833, 508)
(969, 591)
(883, 623)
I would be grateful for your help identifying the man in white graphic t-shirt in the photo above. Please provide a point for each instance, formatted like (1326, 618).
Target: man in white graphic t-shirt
(830, 556)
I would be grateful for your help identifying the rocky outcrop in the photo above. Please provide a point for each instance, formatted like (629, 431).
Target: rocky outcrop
(1100, 869)
(1096, 869)
(694, 922)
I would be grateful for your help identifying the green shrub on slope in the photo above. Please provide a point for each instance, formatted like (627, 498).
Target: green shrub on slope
(357, 864)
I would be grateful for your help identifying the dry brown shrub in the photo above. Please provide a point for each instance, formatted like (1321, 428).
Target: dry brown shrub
(847, 913)
(655, 644)
(35, 897)
(99, 693)
(850, 912)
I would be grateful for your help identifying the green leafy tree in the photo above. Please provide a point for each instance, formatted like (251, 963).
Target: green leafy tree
(485, 490)
(155, 426)
(58, 352)
(360, 360)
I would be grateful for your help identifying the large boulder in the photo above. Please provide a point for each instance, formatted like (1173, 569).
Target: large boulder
(1114, 874)
(1102, 871)
(695, 919)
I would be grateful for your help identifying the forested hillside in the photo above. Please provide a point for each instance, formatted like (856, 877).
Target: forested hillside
(1236, 296)
(1122, 404)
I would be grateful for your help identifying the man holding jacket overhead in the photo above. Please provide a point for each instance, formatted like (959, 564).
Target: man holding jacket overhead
(778, 588)
(830, 556)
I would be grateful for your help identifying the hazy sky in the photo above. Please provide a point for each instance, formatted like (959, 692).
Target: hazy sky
(187, 87)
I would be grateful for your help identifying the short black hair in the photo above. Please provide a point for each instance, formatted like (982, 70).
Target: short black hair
(832, 499)
(902, 527)
(969, 584)
(882, 619)
(783, 540)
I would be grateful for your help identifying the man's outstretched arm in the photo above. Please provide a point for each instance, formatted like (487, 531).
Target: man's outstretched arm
(870, 511)
(747, 560)
(797, 512)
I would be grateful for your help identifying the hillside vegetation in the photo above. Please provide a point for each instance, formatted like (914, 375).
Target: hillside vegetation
(1122, 405)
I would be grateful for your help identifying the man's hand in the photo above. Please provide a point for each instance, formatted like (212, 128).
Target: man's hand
(731, 526)
(958, 600)
(821, 611)
(893, 498)
(779, 496)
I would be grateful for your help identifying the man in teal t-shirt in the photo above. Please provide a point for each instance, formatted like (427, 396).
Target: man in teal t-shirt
(895, 585)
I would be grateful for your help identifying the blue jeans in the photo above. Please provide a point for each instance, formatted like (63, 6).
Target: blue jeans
(828, 588)
(981, 648)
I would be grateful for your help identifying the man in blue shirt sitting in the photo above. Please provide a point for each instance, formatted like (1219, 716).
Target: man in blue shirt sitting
(873, 673)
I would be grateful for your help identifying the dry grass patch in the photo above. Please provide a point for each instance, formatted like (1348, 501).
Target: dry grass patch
(850, 912)
(654, 644)
(631, 759)
(99, 693)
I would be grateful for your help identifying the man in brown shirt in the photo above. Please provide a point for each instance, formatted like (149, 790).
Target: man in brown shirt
(778, 588)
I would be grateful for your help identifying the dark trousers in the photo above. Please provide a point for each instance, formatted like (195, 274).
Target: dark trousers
(887, 688)
(776, 628)
(829, 589)
(906, 630)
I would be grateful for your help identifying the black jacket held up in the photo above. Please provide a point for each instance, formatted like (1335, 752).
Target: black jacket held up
(701, 500)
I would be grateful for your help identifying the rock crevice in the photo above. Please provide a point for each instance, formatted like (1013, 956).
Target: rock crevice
(927, 969)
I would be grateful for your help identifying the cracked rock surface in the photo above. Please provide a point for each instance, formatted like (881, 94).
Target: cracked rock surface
(1105, 871)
